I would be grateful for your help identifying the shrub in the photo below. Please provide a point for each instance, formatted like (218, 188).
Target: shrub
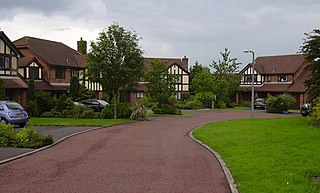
(206, 98)
(7, 135)
(45, 101)
(29, 138)
(123, 111)
(139, 112)
(195, 104)
(222, 105)
(280, 103)
(32, 108)
(315, 113)
(166, 109)
(82, 112)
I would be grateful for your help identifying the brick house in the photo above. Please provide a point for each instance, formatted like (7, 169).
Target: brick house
(176, 66)
(16, 87)
(51, 64)
(275, 75)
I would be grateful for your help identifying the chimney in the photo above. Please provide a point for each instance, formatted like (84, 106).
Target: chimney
(82, 46)
(185, 63)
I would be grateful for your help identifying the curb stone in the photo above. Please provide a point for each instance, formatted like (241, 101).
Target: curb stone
(232, 185)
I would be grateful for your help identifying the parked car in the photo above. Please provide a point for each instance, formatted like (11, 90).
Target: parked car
(96, 104)
(305, 109)
(259, 103)
(13, 112)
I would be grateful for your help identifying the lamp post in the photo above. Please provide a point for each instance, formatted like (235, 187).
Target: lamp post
(252, 85)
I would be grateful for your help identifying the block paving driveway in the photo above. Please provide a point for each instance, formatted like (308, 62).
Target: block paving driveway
(150, 156)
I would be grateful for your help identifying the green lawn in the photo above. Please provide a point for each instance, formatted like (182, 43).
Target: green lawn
(74, 122)
(268, 155)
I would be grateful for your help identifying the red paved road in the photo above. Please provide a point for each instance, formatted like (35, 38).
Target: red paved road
(153, 156)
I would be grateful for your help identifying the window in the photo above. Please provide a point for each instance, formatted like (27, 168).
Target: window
(60, 73)
(282, 78)
(34, 73)
(4, 62)
(139, 94)
(269, 78)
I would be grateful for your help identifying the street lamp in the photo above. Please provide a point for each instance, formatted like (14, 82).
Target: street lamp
(252, 86)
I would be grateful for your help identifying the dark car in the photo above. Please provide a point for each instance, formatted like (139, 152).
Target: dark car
(305, 110)
(259, 103)
(13, 113)
(96, 104)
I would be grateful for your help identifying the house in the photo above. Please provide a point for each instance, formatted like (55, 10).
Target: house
(16, 87)
(275, 75)
(176, 66)
(51, 64)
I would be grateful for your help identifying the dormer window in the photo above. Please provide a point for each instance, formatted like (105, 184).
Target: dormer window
(60, 73)
(34, 72)
(282, 78)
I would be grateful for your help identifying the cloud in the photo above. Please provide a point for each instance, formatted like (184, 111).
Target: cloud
(171, 28)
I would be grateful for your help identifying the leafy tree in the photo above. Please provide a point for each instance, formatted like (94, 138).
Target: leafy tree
(203, 82)
(115, 60)
(31, 90)
(160, 83)
(226, 80)
(311, 49)
(74, 88)
(194, 70)
(2, 90)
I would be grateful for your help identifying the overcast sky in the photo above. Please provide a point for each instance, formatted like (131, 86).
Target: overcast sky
(198, 29)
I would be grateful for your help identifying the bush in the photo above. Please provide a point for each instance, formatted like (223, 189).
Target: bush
(166, 109)
(32, 108)
(29, 138)
(45, 101)
(222, 105)
(139, 112)
(25, 138)
(7, 135)
(206, 98)
(195, 104)
(82, 112)
(279, 104)
(315, 113)
(123, 111)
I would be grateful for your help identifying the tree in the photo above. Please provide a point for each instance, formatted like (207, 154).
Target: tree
(2, 90)
(203, 82)
(226, 80)
(74, 88)
(160, 83)
(194, 70)
(311, 49)
(31, 90)
(115, 60)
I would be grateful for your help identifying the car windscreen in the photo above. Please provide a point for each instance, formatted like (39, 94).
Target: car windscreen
(14, 106)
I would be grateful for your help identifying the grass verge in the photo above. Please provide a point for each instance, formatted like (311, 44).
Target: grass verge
(268, 155)
(34, 121)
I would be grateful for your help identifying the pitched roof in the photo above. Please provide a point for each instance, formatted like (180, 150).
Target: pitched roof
(14, 82)
(26, 61)
(10, 44)
(285, 64)
(54, 53)
(183, 63)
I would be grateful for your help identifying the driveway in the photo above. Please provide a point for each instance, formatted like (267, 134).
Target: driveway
(150, 156)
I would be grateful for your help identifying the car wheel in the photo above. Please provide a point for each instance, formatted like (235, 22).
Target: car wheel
(3, 121)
